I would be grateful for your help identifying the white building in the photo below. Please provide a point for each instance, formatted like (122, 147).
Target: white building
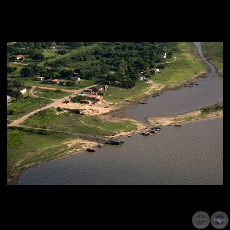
(22, 90)
(8, 99)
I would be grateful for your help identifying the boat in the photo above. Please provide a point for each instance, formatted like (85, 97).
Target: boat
(114, 142)
(156, 128)
(146, 133)
(178, 125)
(90, 150)
(153, 131)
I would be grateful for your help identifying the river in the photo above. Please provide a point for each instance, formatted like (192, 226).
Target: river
(188, 155)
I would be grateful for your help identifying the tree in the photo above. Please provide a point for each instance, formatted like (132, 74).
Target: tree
(37, 56)
(17, 94)
(70, 83)
(66, 74)
(122, 68)
(27, 72)
(11, 69)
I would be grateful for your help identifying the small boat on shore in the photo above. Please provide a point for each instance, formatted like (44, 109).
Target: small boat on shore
(114, 142)
(156, 128)
(90, 150)
(146, 133)
(178, 125)
(153, 131)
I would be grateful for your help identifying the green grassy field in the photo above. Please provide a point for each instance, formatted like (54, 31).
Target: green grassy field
(71, 53)
(69, 121)
(51, 94)
(19, 66)
(25, 106)
(117, 95)
(50, 54)
(213, 51)
(39, 148)
(187, 64)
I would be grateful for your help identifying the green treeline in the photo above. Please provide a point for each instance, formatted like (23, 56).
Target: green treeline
(116, 63)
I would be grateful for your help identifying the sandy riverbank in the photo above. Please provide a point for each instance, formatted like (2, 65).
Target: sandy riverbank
(182, 118)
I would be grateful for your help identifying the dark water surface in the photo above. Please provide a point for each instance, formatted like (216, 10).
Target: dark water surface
(187, 155)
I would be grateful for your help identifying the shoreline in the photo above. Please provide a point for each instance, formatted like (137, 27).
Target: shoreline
(121, 112)
(160, 120)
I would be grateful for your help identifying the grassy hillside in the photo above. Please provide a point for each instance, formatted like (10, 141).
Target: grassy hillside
(213, 51)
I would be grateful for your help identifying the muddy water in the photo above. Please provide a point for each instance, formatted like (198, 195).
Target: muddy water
(187, 155)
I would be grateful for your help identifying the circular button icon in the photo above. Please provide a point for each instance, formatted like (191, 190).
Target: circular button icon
(201, 220)
(219, 220)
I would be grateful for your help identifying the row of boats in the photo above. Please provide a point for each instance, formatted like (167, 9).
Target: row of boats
(114, 141)
(110, 142)
(153, 129)
(191, 84)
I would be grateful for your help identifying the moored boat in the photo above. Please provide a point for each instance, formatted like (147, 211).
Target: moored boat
(90, 150)
(114, 142)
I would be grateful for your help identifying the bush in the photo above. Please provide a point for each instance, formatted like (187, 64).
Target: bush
(59, 109)
(12, 111)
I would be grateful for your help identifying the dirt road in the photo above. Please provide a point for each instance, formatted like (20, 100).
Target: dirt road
(100, 107)
(89, 109)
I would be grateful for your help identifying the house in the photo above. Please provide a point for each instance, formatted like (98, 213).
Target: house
(8, 99)
(157, 70)
(85, 101)
(20, 56)
(75, 78)
(94, 97)
(87, 91)
(162, 55)
(22, 90)
(141, 76)
(40, 78)
(48, 67)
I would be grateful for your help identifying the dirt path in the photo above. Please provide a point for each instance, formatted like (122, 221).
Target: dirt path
(89, 109)
(64, 90)
(21, 119)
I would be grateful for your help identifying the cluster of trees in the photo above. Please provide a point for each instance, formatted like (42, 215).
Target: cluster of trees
(12, 88)
(11, 69)
(109, 62)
